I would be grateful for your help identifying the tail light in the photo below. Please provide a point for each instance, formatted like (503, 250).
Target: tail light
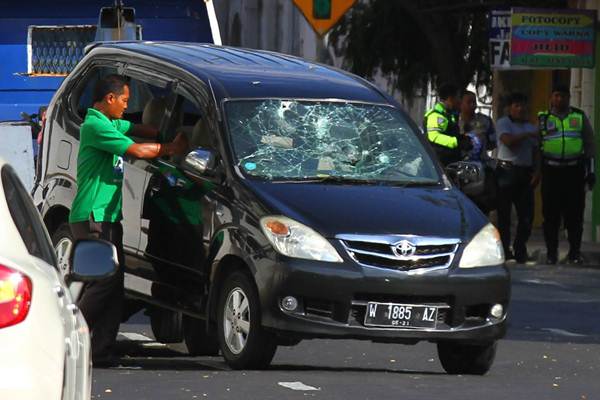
(15, 296)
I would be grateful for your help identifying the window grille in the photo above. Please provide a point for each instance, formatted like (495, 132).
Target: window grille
(55, 50)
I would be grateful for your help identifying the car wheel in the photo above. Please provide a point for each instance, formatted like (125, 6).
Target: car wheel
(459, 358)
(243, 341)
(198, 341)
(167, 326)
(62, 239)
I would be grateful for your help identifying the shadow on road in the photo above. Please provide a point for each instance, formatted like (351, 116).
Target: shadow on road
(287, 367)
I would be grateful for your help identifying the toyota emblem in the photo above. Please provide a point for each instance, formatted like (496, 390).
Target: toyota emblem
(405, 248)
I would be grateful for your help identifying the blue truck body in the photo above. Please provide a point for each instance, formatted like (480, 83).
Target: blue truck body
(22, 91)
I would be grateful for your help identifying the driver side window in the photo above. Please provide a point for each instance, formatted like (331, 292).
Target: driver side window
(192, 121)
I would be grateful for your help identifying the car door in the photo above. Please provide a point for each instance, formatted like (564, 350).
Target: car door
(145, 86)
(38, 244)
(177, 213)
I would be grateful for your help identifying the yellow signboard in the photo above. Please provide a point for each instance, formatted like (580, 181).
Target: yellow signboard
(322, 15)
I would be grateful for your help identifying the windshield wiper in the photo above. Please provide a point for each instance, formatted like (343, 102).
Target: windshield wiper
(349, 180)
(325, 179)
(415, 183)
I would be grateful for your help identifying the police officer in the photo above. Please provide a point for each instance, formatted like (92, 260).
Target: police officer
(567, 146)
(441, 126)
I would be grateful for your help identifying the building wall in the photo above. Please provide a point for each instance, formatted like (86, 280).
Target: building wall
(184, 20)
(278, 25)
(585, 89)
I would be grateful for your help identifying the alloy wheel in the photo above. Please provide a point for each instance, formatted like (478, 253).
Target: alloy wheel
(236, 320)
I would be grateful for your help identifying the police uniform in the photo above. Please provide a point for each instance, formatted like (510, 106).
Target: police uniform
(441, 127)
(567, 147)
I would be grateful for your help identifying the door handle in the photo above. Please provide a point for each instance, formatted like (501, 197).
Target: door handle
(60, 292)
(73, 308)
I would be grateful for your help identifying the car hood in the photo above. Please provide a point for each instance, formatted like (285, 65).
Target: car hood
(333, 209)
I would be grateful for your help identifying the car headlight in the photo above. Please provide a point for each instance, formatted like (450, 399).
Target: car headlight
(293, 239)
(484, 249)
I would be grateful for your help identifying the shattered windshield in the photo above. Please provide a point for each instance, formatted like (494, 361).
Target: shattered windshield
(322, 140)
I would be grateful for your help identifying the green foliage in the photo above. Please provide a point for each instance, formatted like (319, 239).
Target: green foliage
(413, 42)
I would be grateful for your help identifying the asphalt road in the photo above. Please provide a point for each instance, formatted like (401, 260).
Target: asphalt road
(552, 351)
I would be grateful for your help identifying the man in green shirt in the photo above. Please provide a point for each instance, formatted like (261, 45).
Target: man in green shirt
(96, 211)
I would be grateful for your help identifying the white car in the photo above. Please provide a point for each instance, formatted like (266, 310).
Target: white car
(44, 340)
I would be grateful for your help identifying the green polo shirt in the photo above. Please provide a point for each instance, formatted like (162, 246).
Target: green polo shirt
(102, 142)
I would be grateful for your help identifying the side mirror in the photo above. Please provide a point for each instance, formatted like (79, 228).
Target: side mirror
(200, 162)
(92, 260)
(469, 176)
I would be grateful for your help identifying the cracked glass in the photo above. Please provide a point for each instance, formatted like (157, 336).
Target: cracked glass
(277, 139)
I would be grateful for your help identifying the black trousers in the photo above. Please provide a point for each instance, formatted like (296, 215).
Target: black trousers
(563, 199)
(514, 187)
(102, 302)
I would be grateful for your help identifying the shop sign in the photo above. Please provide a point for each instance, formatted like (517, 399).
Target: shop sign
(550, 38)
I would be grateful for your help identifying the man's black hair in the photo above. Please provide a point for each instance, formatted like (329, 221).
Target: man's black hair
(516, 97)
(447, 90)
(561, 88)
(109, 84)
(468, 93)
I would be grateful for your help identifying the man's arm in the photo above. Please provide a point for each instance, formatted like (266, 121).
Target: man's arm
(589, 146)
(152, 150)
(512, 140)
(537, 165)
(490, 135)
(145, 131)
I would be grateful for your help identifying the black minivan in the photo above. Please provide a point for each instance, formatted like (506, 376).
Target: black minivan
(309, 206)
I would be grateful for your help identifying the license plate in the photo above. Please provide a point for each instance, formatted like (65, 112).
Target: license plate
(395, 315)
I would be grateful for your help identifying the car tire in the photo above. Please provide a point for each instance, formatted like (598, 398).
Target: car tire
(459, 358)
(198, 341)
(167, 325)
(62, 240)
(244, 343)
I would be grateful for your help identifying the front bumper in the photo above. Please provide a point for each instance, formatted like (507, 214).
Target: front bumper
(333, 300)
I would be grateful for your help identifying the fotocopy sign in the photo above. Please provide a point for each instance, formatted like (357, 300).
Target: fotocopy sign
(500, 38)
(553, 38)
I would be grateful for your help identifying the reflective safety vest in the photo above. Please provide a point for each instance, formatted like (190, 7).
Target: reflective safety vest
(441, 127)
(562, 138)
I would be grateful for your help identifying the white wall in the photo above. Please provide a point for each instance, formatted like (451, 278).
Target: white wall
(278, 25)
(16, 148)
(582, 96)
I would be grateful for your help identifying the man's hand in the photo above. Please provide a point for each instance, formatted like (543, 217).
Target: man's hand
(535, 179)
(590, 180)
(180, 144)
(464, 143)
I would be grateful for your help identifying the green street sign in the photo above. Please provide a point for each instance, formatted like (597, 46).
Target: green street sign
(322, 9)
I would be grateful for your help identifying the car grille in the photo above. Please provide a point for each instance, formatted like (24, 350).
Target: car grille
(403, 253)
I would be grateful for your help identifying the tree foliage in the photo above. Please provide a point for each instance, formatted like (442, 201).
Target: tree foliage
(413, 42)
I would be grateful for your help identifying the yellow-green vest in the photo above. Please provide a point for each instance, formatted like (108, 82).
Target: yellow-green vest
(562, 138)
(441, 127)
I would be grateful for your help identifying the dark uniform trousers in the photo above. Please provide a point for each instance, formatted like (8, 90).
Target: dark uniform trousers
(514, 187)
(102, 302)
(563, 199)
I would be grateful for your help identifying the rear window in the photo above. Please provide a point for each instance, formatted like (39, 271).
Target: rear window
(27, 219)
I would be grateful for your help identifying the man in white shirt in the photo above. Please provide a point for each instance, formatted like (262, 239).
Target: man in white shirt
(517, 174)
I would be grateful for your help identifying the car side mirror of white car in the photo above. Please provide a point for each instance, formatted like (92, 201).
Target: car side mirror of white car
(91, 260)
